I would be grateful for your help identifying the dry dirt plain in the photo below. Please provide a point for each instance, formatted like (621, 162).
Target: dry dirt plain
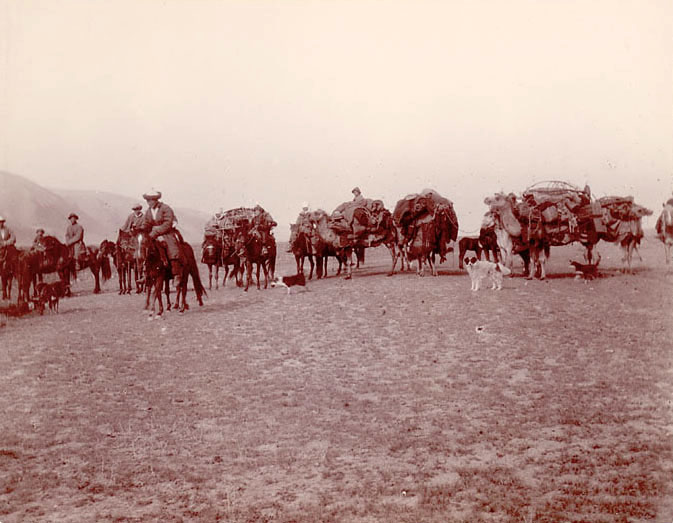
(400, 399)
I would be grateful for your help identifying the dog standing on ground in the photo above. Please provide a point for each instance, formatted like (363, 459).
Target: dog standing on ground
(480, 270)
(51, 293)
(586, 271)
(289, 282)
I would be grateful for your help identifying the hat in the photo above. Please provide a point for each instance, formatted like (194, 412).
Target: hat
(40, 230)
(73, 215)
(356, 189)
(152, 195)
(137, 207)
(304, 205)
(2, 219)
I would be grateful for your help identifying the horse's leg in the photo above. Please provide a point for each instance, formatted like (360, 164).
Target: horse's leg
(167, 292)
(258, 268)
(94, 266)
(265, 268)
(217, 276)
(210, 276)
(310, 261)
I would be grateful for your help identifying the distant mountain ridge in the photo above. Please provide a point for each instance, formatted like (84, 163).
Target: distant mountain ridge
(27, 206)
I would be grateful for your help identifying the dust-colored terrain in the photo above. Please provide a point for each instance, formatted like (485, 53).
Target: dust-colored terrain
(376, 399)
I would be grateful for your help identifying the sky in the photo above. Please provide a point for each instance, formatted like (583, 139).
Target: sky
(229, 103)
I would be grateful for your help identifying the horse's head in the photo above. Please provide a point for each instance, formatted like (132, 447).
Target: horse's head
(107, 248)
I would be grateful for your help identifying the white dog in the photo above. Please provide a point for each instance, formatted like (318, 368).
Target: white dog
(479, 270)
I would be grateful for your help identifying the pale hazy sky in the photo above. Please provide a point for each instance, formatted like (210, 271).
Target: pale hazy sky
(223, 103)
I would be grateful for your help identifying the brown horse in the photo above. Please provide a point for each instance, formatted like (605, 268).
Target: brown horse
(158, 273)
(302, 248)
(9, 257)
(251, 250)
(211, 255)
(98, 261)
(230, 257)
(128, 261)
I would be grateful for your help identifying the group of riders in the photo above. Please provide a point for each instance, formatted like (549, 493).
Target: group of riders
(74, 237)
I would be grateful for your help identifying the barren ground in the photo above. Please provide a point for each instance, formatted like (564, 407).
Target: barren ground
(400, 399)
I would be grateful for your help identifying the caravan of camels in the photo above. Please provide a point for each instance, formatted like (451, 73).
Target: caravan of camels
(420, 231)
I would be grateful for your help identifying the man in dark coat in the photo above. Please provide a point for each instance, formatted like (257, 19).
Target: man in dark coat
(135, 220)
(7, 237)
(160, 223)
(74, 239)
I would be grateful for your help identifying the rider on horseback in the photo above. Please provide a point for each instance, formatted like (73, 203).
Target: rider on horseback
(262, 222)
(135, 220)
(159, 221)
(7, 237)
(213, 228)
(304, 225)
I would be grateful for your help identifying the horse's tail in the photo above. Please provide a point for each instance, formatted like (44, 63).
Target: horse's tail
(199, 289)
(106, 270)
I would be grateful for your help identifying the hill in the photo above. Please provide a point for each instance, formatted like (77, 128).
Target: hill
(27, 206)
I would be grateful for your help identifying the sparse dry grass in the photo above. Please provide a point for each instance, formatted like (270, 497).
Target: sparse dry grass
(374, 399)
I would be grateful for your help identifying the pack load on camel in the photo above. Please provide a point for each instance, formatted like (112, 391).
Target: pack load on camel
(359, 223)
(235, 218)
(561, 212)
(416, 210)
(558, 213)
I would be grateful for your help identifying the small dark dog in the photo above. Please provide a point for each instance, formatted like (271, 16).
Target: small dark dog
(288, 282)
(51, 293)
(586, 271)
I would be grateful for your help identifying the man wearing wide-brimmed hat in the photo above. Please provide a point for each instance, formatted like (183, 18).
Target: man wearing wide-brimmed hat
(7, 237)
(159, 221)
(74, 238)
(135, 219)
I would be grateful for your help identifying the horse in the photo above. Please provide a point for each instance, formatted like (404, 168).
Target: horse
(98, 261)
(158, 273)
(230, 257)
(127, 260)
(27, 269)
(251, 249)
(211, 255)
(302, 248)
(664, 229)
(9, 257)
(55, 256)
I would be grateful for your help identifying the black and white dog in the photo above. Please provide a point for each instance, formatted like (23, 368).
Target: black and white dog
(480, 270)
(298, 280)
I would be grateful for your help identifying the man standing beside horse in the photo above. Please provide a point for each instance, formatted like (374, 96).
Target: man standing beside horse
(74, 240)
